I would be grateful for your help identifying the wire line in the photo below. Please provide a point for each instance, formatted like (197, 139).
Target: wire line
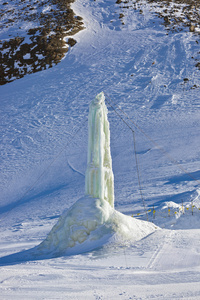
(156, 144)
(136, 159)
(138, 175)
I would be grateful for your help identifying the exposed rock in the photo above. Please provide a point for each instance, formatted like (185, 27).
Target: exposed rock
(46, 47)
(71, 42)
(178, 15)
(192, 28)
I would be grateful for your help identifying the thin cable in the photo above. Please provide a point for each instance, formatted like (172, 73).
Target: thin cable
(119, 115)
(137, 164)
(138, 175)
(157, 145)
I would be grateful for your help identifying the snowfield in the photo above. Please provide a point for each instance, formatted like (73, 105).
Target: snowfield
(148, 75)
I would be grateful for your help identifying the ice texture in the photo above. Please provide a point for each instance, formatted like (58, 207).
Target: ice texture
(99, 181)
(89, 224)
(92, 220)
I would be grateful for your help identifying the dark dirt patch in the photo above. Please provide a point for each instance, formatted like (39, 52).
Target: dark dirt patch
(52, 21)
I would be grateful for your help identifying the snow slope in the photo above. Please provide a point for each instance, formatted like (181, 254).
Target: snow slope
(44, 157)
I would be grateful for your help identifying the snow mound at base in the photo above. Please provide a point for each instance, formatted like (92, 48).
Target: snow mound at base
(89, 224)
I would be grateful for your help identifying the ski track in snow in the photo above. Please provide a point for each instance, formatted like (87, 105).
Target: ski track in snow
(161, 248)
(44, 131)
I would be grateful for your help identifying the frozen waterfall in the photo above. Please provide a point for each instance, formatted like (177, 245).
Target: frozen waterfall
(99, 182)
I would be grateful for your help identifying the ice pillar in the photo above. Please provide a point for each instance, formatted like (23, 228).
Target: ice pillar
(99, 181)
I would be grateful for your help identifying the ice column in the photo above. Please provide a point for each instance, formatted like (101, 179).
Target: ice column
(99, 181)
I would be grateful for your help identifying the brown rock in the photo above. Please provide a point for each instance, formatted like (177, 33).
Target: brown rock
(192, 28)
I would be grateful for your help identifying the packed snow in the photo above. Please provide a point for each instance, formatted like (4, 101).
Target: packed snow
(149, 77)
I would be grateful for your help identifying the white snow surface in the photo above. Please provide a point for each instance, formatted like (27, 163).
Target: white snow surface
(44, 157)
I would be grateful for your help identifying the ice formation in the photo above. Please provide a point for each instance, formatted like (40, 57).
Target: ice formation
(92, 220)
(99, 181)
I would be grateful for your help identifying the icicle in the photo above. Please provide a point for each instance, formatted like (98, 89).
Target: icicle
(99, 181)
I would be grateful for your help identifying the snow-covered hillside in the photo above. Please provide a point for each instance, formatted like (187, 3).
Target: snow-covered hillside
(148, 72)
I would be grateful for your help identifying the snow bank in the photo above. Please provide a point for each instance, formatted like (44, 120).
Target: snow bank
(185, 215)
(89, 224)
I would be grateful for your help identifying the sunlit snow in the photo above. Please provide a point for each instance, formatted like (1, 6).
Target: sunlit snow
(149, 72)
